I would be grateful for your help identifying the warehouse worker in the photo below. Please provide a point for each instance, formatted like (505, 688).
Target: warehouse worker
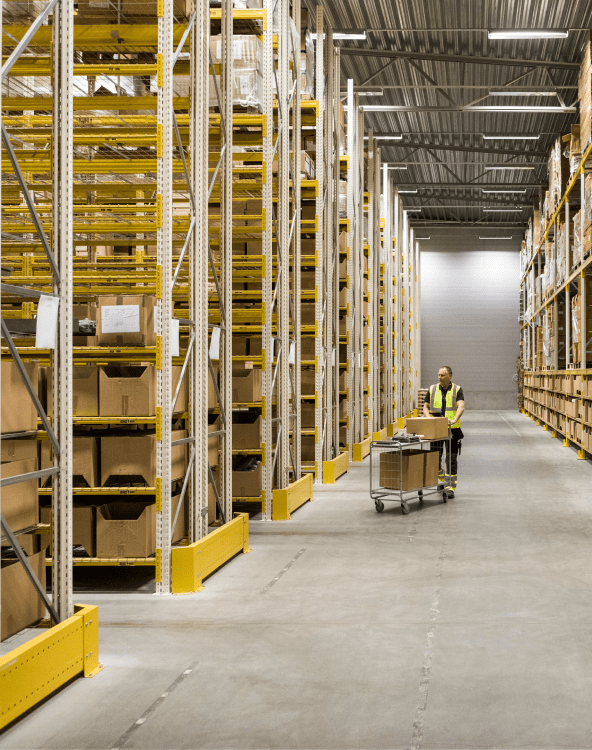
(445, 399)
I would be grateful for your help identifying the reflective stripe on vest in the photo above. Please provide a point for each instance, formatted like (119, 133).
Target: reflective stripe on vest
(436, 403)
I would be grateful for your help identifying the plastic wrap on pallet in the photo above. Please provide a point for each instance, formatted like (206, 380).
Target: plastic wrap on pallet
(247, 4)
(575, 327)
(247, 78)
(342, 199)
(576, 249)
(307, 67)
(547, 341)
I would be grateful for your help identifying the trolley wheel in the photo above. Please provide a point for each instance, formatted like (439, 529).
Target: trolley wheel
(379, 505)
(445, 496)
(404, 509)
(420, 495)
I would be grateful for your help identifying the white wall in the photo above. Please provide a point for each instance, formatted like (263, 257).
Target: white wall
(469, 313)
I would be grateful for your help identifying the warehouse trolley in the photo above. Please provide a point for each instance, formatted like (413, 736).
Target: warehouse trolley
(403, 466)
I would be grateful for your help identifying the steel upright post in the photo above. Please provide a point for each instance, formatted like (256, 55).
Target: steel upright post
(395, 251)
(320, 240)
(294, 362)
(62, 176)
(388, 298)
(359, 276)
(334, 208)
(198, 269)
(164, 306)
(372, 375)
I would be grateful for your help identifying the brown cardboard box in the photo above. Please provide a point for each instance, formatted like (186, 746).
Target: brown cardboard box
(307, 314)
(126, 529)
(307, 447)
(212, 507)
(307, 415)
(307, 382)
(85, 460)
(407, 475)
(85, 391)
(432, 428)
(130, 391)
(87, 311)
(307, 349)
(246, 430)
(18, 413)
(246, 386)
(247, 483)
(213, 442)
(131, 456)
(431, 468)
(21, 605)
(123, 323)
(83, 526)
(182, 525)
(19, 501)
(212, 397)
(18, 450)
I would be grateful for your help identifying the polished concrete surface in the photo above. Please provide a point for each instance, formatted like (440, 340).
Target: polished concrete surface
(465, 625)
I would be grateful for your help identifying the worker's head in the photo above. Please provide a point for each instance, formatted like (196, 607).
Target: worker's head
(445, 376)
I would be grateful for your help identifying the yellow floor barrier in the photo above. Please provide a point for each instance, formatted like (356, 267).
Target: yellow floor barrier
(335, 468)
(288, 500)
(361, 450)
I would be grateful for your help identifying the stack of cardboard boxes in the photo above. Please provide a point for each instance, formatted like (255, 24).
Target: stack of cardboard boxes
(585, 95)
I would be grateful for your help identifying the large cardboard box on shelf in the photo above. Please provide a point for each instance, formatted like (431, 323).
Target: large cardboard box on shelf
(307, 447)
(246, 386)
(84, 525)
(85, 390)
(182, 526)
(214, 441)
(307, 415)
(126, 321)
(87, 311)
(130, 390)
(307, 382)
(307, 349)
(432, 428)
(246, 430)
(132, 458)
(18, 414)
(126, 529)
(85, 460)
(21, 605)
(212, 397)
(248, 483)
(20, 504)
(404, 472)
(18, 449)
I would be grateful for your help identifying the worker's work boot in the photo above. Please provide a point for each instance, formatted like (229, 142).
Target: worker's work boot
(452, 485)
(441, 477)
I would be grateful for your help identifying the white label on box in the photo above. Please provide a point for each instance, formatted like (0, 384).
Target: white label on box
(292, 357)
(215, 344)
(46, 332)
(120, 319)
(175, 337)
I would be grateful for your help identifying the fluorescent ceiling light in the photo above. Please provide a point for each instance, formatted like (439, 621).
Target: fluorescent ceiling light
(509, 137)
(353, 34)
(398, 166)
(503, 191)
(510, 167)
(495, 238)
(386, 137)
(515, 210)
(409, 210)
(527, 34)
(411, 192)
(507, 92)
(370, 93)
(423, 238)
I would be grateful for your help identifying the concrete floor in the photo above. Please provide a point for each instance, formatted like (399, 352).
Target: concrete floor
(466, 625)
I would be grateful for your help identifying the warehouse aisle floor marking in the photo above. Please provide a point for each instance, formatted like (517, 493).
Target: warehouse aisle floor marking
(510, 425)
(424, 685)
(126, 736)
(281, 573)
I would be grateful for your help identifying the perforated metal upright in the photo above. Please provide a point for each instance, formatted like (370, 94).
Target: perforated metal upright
(333, 210)
(359, 260)
(352, 119)
(374, 261)
(62, 184)
(267, 344)
(164, 304)
(320, 260)
(389, 286)
(198, 269)
(399, 300)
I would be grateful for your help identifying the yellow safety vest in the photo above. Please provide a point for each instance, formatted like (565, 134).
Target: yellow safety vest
(436, 402)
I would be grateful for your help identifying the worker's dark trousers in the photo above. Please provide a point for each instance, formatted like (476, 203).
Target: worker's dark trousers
(454, 444)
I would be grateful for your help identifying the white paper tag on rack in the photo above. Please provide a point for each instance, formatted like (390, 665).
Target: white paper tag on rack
(292, 357)
(333, 356)
(46, 332)
(215, 345)
(120, 319)
(175, 337)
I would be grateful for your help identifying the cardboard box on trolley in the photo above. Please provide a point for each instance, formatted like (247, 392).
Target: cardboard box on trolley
(432, 428)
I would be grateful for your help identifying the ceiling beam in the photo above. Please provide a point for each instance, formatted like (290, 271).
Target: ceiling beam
(466, 149)
(473, 199)
(519, 109)
(470, 185)
(467, 59)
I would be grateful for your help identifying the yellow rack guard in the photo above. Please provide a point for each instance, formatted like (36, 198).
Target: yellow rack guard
(361, 450)
(31, 672)
(191, 564)
(335, 468)
(286, 501)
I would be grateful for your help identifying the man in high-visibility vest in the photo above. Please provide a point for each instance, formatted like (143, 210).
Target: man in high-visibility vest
(445, 399)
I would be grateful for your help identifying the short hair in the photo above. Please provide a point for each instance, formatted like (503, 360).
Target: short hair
(447, 368)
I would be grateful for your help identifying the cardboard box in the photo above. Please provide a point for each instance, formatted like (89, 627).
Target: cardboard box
(18, 413)
(85, 391)
(307, 415)
(130, 391)
(248, 483)
(21, 605)
(85, 461)
(246, 386)
(126, 321)
(405, 474)
(132, 458)
(307, 447)
(212, 397)
(87, 311)
(307, 382)
(126, 529)
(432, 428)
(212, 507)
(182, 525)
(213, 442)
(246, 430)
(19, 449)
(431, 468)
(84, 526)
(20, 504)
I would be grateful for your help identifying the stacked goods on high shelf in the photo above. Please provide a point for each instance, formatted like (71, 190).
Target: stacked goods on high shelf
(585, 95)
(576, 319)
(520, 378)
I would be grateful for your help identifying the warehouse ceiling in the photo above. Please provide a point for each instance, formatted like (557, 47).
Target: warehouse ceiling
(433, 60)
